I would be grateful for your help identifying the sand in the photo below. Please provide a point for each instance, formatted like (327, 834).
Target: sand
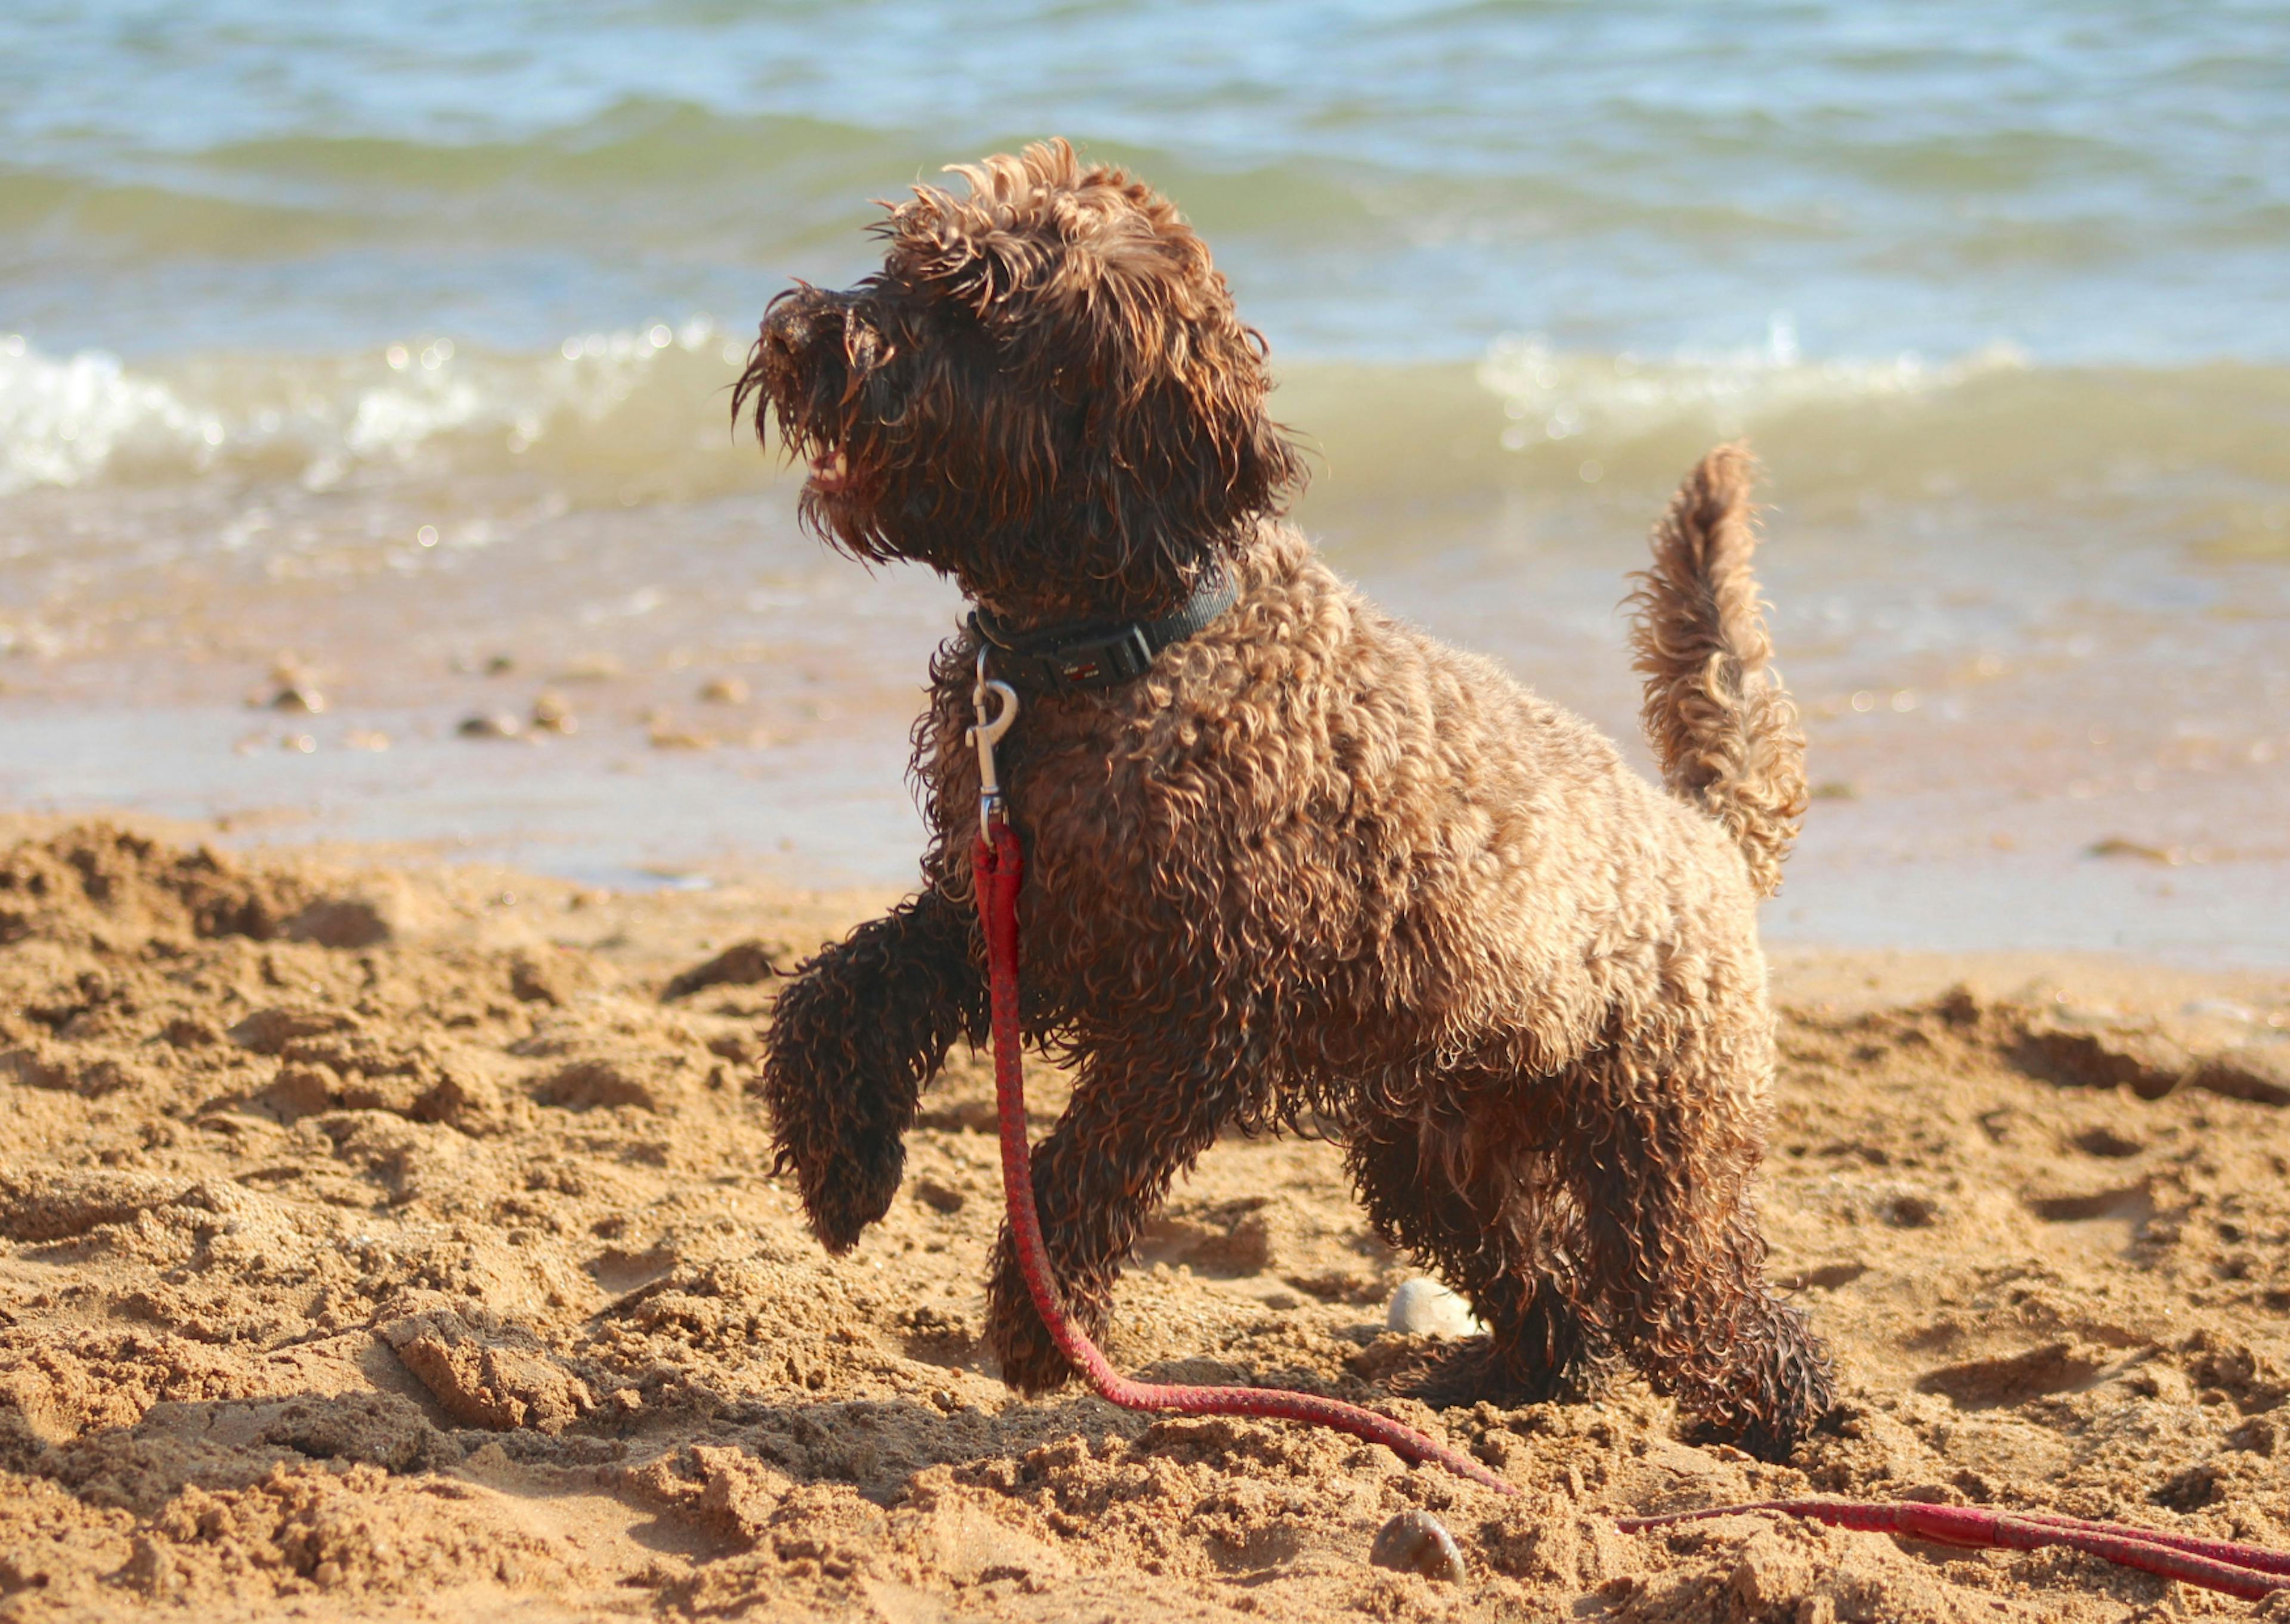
(383, 1241)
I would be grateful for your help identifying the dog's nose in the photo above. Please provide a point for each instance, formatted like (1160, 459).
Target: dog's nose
(799, 321)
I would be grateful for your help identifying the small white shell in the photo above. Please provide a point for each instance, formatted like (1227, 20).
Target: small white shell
(1425, 1308)
(1414, 1542)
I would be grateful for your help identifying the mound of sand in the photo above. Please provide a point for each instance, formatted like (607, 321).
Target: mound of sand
(379, 1241)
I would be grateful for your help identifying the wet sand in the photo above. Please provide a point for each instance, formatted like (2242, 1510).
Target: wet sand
(383, 1240)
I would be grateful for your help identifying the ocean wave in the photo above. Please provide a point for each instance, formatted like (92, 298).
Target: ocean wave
(1549, 395)
(600, 408)
(1992, 426)
(63, 422)
(641, 414)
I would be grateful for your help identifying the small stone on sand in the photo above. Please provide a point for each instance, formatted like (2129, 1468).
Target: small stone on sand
(669, 736)
(2170, 857)
(552, 715)
(1414, 1542)
(723, 690)
(502, 726)
(1425, 1308)
(590, 668)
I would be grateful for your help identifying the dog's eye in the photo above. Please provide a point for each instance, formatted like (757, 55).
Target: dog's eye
(863, 347)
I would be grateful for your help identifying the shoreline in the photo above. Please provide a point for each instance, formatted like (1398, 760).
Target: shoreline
(791, 764)
(439, 1270)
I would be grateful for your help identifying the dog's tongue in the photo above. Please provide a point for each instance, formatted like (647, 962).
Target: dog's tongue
(829, 470)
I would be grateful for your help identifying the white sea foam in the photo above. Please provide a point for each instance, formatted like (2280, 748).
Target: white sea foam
(89, 418)
(62, 423)
(639, 414)
(1551, 395)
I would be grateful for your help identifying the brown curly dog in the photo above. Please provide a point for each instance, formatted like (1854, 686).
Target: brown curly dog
(1309, 860)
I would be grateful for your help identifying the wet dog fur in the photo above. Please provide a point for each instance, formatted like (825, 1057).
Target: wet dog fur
(1313, 861)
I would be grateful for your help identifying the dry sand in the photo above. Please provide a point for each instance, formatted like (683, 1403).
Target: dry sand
(382, 1242)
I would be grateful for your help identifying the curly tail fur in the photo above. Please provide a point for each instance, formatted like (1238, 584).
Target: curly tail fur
(1727, 733)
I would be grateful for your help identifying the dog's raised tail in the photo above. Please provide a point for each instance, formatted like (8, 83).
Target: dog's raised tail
(1727, 733)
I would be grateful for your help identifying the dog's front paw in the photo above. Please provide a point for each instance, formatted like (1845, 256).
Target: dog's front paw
(1031, 1361)
(1029, 1358)
(843, 1193)
(828, 1120)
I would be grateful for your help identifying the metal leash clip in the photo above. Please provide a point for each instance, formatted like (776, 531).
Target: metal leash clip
(986, 733)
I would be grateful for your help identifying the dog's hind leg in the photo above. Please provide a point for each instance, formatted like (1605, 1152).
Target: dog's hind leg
(1140, 1116)
(1469, 1230)
(1666, 1144)
(854, 1038)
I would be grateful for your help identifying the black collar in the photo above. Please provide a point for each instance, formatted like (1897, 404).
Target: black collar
(1098, 654)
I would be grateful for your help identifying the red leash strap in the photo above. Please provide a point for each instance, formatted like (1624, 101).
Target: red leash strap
(996, 870)
(2247, 1571)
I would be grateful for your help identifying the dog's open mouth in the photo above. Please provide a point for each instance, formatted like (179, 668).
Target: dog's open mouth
(830, 472)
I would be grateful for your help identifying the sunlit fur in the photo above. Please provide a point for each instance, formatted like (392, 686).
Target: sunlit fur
(1312, 861)
(1726, 732)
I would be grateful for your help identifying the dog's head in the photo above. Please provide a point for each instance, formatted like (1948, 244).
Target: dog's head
(1045, 393)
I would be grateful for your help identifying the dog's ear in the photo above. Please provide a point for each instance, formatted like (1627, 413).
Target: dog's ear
(1178, 454)
(1107, 317)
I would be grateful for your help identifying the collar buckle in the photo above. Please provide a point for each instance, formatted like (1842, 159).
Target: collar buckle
(1116, 656)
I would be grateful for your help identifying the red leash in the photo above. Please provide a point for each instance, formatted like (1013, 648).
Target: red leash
(995, 870)
(997, 865)
(2247, 1571)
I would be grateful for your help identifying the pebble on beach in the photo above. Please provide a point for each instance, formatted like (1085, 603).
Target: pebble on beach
(1414, 1542)
(1424, 1307)
(665, 733)
(501, 726)
(299, 700)
(723, 691)
(590, 668)
(2170, 857)
(552, 715)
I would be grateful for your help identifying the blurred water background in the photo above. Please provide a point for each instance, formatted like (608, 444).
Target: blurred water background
(377, 355)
